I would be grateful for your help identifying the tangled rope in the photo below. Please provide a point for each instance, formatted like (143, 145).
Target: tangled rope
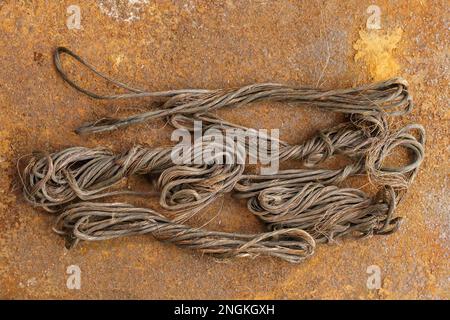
(300, 207)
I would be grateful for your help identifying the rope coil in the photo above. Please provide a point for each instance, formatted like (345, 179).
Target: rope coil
(300, 207)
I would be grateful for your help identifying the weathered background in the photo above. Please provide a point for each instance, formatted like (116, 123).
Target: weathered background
(159, 45)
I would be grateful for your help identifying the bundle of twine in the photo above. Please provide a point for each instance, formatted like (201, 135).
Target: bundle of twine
(299, 207)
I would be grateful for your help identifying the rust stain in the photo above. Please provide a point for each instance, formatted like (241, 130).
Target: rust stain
(213, 44)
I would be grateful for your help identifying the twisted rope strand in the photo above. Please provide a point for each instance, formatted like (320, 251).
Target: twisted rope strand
(389, 96)
(100, 221)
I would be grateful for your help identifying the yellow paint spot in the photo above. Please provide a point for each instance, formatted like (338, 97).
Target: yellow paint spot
(376, 48)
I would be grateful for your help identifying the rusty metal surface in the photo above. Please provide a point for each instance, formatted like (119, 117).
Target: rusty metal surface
(175, 44)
